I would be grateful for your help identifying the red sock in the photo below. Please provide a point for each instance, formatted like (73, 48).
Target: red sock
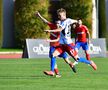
(88, 56)
(56, 71)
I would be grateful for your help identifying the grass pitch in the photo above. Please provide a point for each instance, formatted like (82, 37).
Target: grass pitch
(27, 74)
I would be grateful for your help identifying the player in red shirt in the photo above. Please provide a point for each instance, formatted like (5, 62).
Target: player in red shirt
(81, 40)
(54, 43)
(67, 43)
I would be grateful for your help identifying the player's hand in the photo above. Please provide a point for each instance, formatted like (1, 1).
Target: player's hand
(37, 13)
(48, 40)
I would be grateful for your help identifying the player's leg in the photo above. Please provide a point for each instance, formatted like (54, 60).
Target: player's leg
(57, 71)
(65, 57)
(73, 53)
(51, 73)
(53, 59)
(52, 62)
(83, 60)
(87, 55)
(85, 48)
(77, 46)
(58, 51)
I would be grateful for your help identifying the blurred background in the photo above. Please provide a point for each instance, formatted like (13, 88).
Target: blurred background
(18, 21)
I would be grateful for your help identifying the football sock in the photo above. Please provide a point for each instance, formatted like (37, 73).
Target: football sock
(75, 63)
(53, 61)
(83, 60)
(56, 71)
(88, 56)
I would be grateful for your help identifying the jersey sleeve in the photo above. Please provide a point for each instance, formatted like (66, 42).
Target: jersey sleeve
(86, 29)
(51, 25)
(72, 21)
(68, 21)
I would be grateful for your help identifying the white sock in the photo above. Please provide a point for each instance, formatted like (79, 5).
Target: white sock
(75, 63)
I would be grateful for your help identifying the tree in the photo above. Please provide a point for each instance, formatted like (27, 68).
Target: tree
(75, 9)
(102, 20)
(26, 24)
(0, 22)
(79, 9)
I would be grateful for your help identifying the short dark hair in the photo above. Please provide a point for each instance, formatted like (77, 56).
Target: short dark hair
(79, 19)
(61, 10)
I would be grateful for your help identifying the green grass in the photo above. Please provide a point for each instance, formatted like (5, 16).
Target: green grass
(27, 74)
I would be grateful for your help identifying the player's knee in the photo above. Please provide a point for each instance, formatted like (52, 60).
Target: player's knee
(86, 52)
(55, 54)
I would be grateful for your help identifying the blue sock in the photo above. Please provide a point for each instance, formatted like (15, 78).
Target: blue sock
(83, 60)
(53, 61)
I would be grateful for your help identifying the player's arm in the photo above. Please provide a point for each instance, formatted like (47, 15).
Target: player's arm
(55, 40)
(55, 30)
(88, 35)
(61, 27)
(42, 18)
(73, 21)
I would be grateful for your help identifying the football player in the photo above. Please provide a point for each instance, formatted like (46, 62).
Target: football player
(66, 41)
(54, 43)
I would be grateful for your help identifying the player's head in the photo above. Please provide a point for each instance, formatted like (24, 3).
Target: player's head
(58, 23)
(61, 14)
(79, 21)
(74, 25)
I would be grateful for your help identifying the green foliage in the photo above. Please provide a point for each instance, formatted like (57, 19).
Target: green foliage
(103, 33)
(27, 25)
(102, 19)
(75, 9)
(79, 9)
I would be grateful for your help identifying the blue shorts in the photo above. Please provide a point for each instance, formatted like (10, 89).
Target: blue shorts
(63, 55)
(84, 45)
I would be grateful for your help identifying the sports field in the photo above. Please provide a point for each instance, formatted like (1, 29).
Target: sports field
(27, 74)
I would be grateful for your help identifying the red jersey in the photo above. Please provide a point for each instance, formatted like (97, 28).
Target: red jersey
(81, 32)
(54, 35)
